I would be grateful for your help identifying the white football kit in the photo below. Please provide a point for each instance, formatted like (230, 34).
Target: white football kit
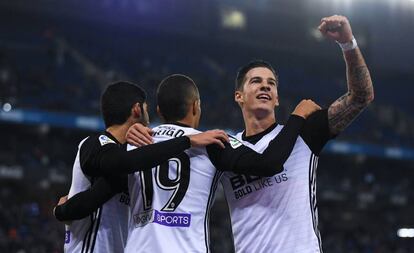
(279, 213)
(105, 230)
(170, 204)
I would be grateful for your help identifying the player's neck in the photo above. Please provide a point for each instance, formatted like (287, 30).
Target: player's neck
(188, 121)
(254, 125)
(119, 132)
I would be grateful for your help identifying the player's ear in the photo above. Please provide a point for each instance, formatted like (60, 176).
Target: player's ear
(277, 96)
(159, 113)
(238, 97)
(196, 108)
(277, 101)
(136, 110)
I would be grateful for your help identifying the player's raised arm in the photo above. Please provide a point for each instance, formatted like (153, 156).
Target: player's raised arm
(360, 89)
(240, 159)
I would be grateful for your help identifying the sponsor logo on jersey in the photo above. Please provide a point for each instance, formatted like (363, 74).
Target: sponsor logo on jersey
(172, 219)
(234, 143)
(67, 236)
(243, 185)
(103, 139)
(124, 198)
(144, 218)
(168, 219)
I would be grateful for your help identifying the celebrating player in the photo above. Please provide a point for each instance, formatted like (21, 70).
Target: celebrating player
(123, 104)
(172, 201)
(279, 214)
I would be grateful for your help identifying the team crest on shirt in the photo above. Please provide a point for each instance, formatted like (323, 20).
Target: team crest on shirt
(234, 143)
(103, 139)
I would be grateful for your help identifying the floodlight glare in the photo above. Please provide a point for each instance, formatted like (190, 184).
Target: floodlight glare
(7, 107)
(233, 19)
(405, 232)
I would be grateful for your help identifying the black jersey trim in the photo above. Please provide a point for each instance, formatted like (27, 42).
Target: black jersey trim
(213, 188)
(233, 247)
(96, 230)
(111, 137)
(177, 124)
(89, 240)
(88, 234)
(253, 139)
(313, 164)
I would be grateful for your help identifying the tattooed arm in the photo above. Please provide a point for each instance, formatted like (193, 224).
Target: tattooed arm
(360, 90)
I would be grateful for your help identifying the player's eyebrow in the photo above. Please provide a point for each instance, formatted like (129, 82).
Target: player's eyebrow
(271, 79)
(255, 78)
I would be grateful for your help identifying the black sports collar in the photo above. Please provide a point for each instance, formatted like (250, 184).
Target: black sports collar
(112, 137)
(253, 139)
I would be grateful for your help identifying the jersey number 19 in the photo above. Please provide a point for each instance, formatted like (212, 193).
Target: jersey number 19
(179, 185)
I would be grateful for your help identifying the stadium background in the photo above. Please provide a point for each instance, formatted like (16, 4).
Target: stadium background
(57, 56)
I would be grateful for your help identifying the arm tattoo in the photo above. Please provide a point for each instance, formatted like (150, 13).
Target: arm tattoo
(360, 93)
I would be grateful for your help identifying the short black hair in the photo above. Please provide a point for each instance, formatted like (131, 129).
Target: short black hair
(117, 101)
(174, 96)
(241, 74)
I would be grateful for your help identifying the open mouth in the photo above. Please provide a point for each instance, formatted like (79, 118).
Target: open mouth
(263, 97)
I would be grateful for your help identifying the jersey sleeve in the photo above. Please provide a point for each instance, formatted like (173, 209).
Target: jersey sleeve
(316, 131)
(92, 151)
(99, 158)
(85, 203)
(241, 159)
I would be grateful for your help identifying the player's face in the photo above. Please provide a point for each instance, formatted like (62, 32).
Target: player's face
(259, 94)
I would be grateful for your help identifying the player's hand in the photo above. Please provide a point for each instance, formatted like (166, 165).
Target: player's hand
(337, 28)
(305, 108)
(209, 137)
(62, 201)
(139, 135)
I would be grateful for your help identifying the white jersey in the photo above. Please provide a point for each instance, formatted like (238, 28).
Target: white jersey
(278, 213)
(170, 204)
(106, 229)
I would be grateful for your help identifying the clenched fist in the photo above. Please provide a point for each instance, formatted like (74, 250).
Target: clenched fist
(305, 108)
(337, 28)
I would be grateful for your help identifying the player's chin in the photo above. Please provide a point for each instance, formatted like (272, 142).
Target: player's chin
(265, 105)
(263, 110)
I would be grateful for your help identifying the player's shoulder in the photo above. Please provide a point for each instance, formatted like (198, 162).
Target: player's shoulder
(93, 147)
(265, 136)
(97, 141)
(234, 141)
(279, 128)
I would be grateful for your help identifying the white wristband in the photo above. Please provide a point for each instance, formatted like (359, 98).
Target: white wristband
(348, 45)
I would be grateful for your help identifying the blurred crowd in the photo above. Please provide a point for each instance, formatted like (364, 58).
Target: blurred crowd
(26, 223)
(53, 74)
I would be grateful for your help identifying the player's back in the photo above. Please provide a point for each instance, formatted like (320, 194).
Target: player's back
(106, 229)
(170, 204)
